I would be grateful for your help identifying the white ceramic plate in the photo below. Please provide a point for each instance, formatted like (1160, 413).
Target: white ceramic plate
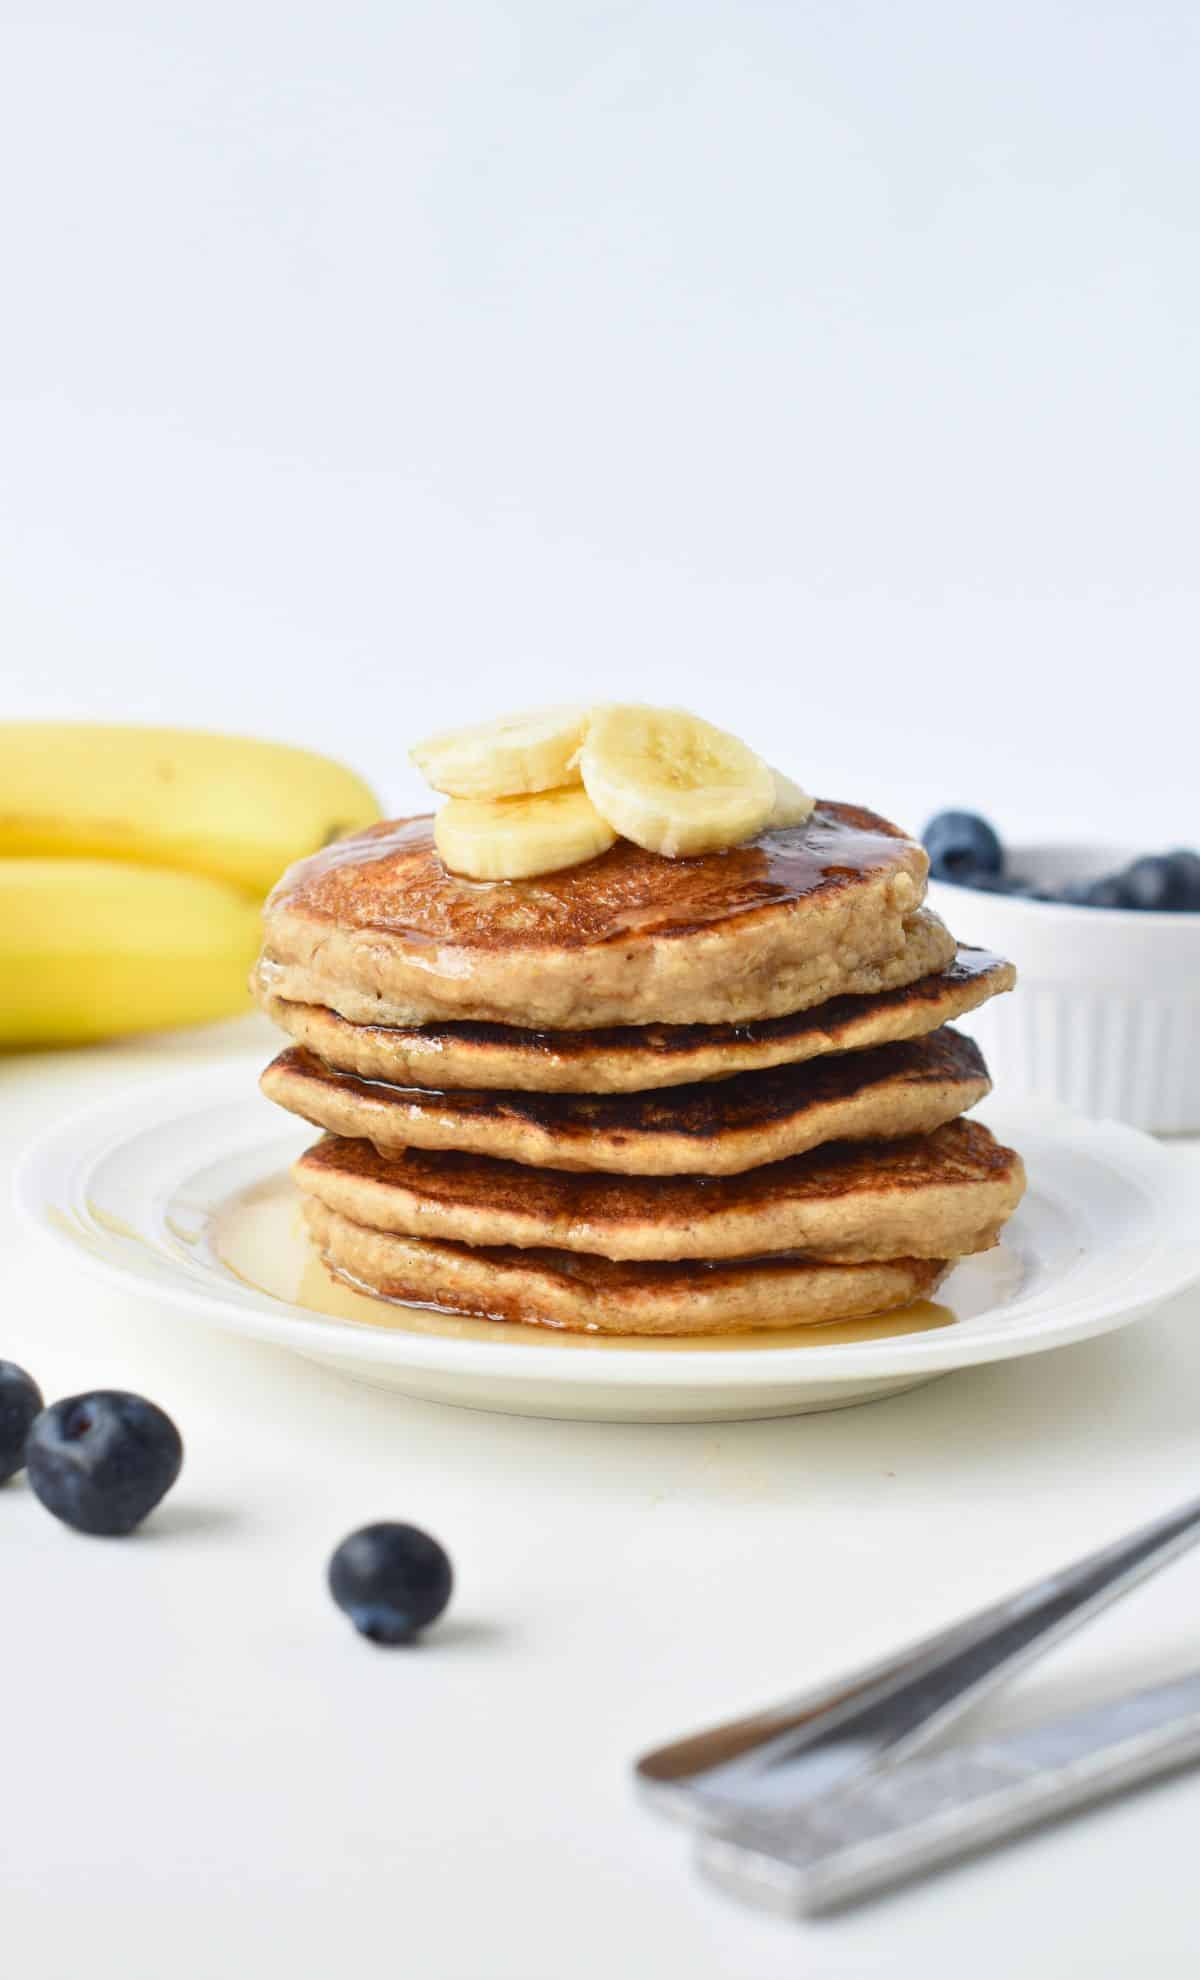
(157, 1189)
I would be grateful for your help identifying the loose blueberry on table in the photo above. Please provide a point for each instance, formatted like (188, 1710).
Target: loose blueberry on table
(101, 1462)
(391, 1580)
(20, 1404)
(966, 851)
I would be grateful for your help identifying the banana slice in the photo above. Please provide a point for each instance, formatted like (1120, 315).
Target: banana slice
(506, 758)
(792, 805)
(512, 838)
(673, 783)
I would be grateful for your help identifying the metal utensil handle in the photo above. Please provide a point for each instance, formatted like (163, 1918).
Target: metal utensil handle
(914, 1816)
(816, 1744)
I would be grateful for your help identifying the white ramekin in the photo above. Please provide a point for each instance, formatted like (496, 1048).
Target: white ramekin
(1106, 1012)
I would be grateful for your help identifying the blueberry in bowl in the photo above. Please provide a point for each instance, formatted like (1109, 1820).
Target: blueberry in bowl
(1184, 868)
(965, 850)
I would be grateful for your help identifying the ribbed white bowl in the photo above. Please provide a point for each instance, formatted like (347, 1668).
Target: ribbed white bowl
(1106, 1013)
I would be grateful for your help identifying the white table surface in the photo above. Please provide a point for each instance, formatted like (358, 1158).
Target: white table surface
(205, 1773)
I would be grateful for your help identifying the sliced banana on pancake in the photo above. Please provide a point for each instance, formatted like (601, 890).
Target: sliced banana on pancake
(513, 838)
(673, 783)
(792, 805)
(511, 757)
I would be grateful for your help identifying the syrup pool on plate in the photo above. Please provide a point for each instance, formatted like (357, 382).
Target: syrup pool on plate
(260, 1237)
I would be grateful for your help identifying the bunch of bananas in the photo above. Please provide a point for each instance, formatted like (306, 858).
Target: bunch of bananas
(536, 792)
(133, 863)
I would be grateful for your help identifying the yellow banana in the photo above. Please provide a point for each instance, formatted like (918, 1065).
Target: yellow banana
(90, 948)
(225, 806)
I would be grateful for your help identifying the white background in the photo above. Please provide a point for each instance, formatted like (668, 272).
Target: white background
(832, 367)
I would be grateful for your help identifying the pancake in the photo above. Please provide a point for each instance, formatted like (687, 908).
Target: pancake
(562, 1289)
(376, 929)
(637, 1058)
(940, 1195)
(716, 1128)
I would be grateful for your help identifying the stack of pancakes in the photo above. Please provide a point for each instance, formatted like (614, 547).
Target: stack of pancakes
(641, 1095)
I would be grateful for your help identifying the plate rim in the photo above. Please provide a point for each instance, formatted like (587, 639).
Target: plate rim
(1133, 1156)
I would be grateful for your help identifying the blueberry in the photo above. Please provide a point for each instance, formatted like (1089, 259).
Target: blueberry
(963, 847)
(1184, 869)
(1108, 892)
(1012, 884)
(989, 883)
(1148, 884)
(390, 1580)
(101, 1462)
(20, 1402)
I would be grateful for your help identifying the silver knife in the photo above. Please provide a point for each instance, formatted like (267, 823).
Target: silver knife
(904, 1820)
